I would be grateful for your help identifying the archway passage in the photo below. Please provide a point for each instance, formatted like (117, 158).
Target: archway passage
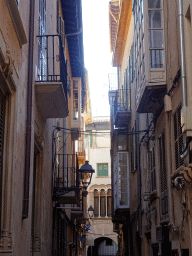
(103, 246)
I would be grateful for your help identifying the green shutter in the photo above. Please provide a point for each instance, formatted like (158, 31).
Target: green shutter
(102, 169)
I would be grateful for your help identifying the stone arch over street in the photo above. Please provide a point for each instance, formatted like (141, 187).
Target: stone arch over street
(103, 246)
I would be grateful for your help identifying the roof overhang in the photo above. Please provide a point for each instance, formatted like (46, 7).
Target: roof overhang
(72, 14)
(125, 16)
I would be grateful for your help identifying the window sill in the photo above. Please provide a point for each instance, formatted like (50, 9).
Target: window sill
(17, 22)
(102, 177)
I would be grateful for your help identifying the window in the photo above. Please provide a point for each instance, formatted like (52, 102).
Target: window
(36, 203)
(75, 100)
(123, 178)
(60, 26)
(42, 42)
(122, 142)
(96, 203)
(109, 203)
(178, 138)
(156, 45)
(133, 150)
(163, 177)
(121, 181)
(102, 203)
(102, 169)
(152, 169)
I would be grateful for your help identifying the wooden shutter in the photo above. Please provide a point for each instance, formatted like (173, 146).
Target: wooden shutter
(102, 169)
(178, 138)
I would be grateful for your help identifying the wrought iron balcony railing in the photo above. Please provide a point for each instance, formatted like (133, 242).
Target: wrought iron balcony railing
(65, 171)
(52, 66)
(122, 107)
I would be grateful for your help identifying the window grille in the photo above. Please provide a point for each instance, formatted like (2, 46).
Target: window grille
(178, 138)
(163, 177)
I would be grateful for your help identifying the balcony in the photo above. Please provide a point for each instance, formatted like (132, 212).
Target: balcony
(66, 179)
(152, 87)
(122, 108)
(51, 77)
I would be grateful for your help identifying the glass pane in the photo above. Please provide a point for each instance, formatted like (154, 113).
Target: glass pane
(123, 171)
(96, 206)
(157, 58)
(102, 206)
(109, 206)
(155, 20)
(123, 199)
(154, 3)
(156, 38)
(122, 142)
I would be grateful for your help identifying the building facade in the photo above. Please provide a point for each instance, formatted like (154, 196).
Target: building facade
(42, 89)
(157, 130)
(101, 240)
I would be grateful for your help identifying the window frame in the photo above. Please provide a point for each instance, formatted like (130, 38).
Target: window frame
(102, 164)
(156, 49)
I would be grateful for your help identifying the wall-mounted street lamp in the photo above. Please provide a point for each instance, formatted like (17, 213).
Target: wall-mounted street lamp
(90, 212)
(86, 171)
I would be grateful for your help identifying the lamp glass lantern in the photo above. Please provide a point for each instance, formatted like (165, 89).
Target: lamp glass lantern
(86, 172)
(90, 212)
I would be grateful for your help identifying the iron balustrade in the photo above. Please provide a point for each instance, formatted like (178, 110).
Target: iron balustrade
(65, 171)
(122, 101)
(52, 66)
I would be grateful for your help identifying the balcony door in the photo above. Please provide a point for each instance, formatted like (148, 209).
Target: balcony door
(42, 42)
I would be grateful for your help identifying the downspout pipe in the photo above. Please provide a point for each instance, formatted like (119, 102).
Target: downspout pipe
(28, 112)
(182, 52)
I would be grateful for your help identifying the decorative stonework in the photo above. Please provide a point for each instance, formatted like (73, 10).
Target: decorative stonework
(99, 187)
(6, 242)
(7, 67)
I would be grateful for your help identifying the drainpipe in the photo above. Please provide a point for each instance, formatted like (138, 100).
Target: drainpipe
(182, 53)
(139, 173)
(28, 113)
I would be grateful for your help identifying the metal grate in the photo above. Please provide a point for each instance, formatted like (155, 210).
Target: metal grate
(178, 138)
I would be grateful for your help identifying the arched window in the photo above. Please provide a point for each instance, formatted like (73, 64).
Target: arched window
(96, 203)
(109, 202)
(102, 203)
